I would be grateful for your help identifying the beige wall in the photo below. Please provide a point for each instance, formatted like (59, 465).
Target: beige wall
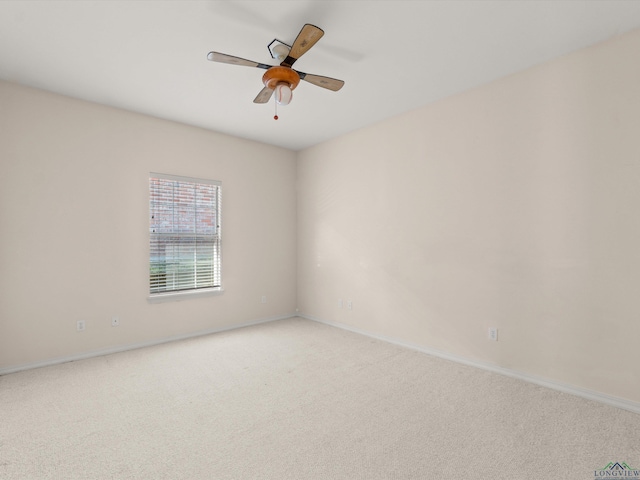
(514, 205)
(74, 226)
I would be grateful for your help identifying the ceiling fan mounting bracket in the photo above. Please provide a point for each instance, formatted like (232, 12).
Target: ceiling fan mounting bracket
(278, 49)
(276, 75)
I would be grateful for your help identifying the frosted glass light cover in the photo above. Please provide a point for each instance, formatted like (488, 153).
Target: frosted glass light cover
(283, 94)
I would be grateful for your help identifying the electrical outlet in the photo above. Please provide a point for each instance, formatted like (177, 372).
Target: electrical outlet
(349, 304)
(493, 334)
(80, 325)
(115, 321)
(263, 299)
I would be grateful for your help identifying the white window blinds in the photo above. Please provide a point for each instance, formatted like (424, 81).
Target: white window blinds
(184, 232)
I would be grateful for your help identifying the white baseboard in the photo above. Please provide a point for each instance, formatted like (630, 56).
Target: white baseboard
(544, 382)
(124, 348)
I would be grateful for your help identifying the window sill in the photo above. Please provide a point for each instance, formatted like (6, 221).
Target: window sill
(177, 296)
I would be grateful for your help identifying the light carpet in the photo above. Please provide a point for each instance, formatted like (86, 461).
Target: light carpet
(295, 399)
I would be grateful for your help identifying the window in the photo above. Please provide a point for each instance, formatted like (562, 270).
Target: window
(184, 233)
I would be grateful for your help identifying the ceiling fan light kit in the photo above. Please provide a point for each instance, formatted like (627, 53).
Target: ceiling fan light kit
(282, 79)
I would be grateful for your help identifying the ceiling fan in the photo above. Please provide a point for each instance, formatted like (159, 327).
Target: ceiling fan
(282, 79)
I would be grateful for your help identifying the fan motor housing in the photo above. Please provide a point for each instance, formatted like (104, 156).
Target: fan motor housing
(279, 74)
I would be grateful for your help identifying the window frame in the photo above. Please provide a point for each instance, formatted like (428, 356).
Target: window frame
(216, 263)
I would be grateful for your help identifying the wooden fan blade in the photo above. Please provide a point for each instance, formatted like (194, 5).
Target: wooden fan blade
(306, 39)
(263, 96)
(224, 58)
(329, 83)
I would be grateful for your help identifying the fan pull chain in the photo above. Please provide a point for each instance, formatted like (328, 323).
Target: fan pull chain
(275, 117)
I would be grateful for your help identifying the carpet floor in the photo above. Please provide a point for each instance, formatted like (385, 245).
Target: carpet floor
(295, 399)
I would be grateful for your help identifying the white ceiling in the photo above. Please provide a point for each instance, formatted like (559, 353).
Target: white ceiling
(150, 56)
